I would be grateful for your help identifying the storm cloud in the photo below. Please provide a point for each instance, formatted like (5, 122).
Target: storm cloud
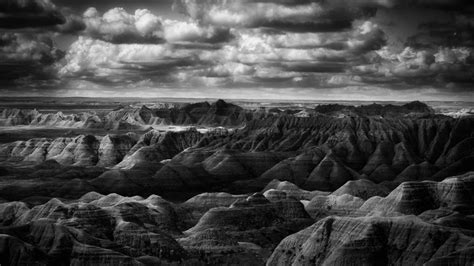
(271, 45)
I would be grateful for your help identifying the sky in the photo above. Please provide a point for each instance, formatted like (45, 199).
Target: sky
(239, 49)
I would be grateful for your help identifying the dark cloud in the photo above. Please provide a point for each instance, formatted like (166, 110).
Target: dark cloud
(448, 5)
(318, 67)
(329, 25)
(458, 31)
(463, 6)
(16, 14)
(73, 24)
(40, 15)
(27, 57)
(29, 13)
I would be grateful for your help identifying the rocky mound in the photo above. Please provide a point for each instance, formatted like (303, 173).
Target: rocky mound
(405, 240)
(218, 113)
(316, 153)
(96, 229)
(194, 208)
(418, 222)
(124, 150)
(455, 193)
(253, 223)
(362, 188)
(415, 108)
(113, 229)
(282, 189)
(449, 201)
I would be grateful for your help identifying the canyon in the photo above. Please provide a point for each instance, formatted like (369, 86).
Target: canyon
(219, 184)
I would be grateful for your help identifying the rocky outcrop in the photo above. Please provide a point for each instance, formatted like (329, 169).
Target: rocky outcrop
(96, 229)
(418, 222)
(109, 229)
(276, 190)
(14, 117)
(404, 240)
(92, 199)
(315, 153)
(14, 251)
(194, 208)
(362, 188)
(455, 193)
(415, 108)
(245, 229)
(123, 151)
(113, 148)
(218, 113)
(344, 205)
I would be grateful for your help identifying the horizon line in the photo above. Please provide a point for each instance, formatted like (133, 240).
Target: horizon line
(229, 99)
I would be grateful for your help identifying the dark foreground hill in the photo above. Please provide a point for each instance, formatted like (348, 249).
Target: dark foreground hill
(418, 223)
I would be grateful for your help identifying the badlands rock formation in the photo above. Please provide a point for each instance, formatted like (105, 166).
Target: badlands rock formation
(218, 113)
(337, 185)
(402, 240)
(386, 230)
(315, 153)
(220, 228)
(415, 108)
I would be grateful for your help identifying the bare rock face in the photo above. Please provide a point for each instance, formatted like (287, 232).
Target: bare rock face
(13, 117)
(10, 211)
(154, 147)
(276, 190)
(418, 222)
(413, 197)
(385, 230)
(218, 247)
(318, 152)
(402, 240)
(123, 151)
(113, 149)
(95, 230)
(13, 251)
(412, 108)
(133, 118)
(248, 214)
(295, 169)
(194, 208)
(369, 182)
(417, 172)
(142, 241)
(344, 205)
(361, 188)
(254, 222)
(329, 174)
(237, 165)
(109, 229)
(92, 255)
(81, 150)
(119, 181)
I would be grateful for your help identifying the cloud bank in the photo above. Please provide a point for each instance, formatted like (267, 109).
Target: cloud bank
(265, 45)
